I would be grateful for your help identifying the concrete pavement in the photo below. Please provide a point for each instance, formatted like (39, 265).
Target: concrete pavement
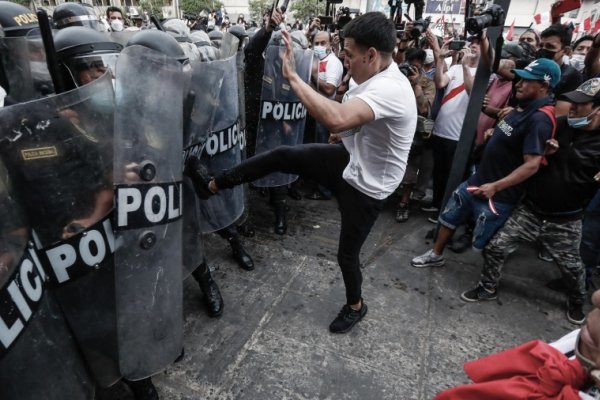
(272, 340)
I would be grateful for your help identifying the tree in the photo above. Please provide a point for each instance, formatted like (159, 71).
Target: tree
(197, 6)
(258, 8)
(154, 7)
(303, 9)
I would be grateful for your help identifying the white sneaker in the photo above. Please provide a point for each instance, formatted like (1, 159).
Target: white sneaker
(429, 259)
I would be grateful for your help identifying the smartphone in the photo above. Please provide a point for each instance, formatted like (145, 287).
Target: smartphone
(456, 44)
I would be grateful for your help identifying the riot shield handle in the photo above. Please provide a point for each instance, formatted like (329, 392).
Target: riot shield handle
(51, 58)
(146, 170)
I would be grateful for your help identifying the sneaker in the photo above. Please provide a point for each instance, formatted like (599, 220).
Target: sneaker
(432, 220)
(347, 318)
(430, 208)
(479, 293)
(575, 313)
(402, 212)
(544, 255)
(429, 259)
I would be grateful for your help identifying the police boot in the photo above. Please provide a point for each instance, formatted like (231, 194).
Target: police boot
(210, 290)
(142, 390)
(280, 219)
(239, 253)
(199, 177)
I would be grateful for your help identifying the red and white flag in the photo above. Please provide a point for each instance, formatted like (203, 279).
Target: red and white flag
(587, 24)
(537, 18)
(511, 31)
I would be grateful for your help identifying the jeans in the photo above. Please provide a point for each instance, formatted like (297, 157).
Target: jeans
(323, 163)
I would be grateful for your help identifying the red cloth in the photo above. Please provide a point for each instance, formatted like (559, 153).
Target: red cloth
(587, 24)
(596, 26)
(537, 18)
(533, 371)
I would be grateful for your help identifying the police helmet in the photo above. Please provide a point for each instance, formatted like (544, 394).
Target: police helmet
(76, 14)
(16, 20)
(238, 31)
(200, 38)
(84, 54)
(161, 42)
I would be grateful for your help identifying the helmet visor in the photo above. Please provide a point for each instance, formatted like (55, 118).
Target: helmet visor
(87, 68)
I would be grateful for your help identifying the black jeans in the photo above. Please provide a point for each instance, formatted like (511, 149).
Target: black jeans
(323, 163)
(443, 154)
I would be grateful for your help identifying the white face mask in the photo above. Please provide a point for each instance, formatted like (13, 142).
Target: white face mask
(116, 25)
(320, 51)
(578, 61)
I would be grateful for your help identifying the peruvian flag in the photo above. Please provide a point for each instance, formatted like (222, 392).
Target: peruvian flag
(576, 30)
(587, 24)
(511, 31)
(537, 18)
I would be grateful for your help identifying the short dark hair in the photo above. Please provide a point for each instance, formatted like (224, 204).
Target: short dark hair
(582, 39)
(415, 54)
(113, 9)
(560, 31)
(372, 29)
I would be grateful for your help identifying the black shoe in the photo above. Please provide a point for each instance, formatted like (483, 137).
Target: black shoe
(294, 193)
(240, 255)
(210, 290)
(575, 313)
(142, 390)
(479, 293)
(199, 177)
(347, 318)
(280, 222)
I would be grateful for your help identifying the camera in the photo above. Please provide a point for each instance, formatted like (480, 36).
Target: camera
(456, 44)
(405, 69)
(419, 27)
(493, 16)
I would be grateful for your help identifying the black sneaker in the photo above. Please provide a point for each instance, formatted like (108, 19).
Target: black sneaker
(479, 293)
(199, 177)
(347, 318)
(402, 212)
(575, 313)
(430, 208)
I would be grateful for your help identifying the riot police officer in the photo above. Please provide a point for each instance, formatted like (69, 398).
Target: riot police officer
(76, 14)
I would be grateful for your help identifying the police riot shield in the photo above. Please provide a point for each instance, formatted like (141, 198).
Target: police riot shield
(207, 78)
(229, 46)
(223, 150)
(24, 68)
(282, 115)
(148, 209)
(57, 152)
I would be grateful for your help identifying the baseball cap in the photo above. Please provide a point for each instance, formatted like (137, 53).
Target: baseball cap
(541, 69)
(512, 50)
(587, 92)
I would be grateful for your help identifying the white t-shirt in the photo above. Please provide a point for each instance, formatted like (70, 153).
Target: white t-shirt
(379, 149)
(331, 71)
(449, 121)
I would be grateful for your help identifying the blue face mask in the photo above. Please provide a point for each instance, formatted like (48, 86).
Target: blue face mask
(580, 122)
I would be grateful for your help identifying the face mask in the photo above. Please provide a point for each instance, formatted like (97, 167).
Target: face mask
(320, 51)
(428, 56)
(577, 61)
(116, 25)
(545, 53)
(580, 122)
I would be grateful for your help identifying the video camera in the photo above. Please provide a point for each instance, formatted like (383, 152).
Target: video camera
(420, 26)
(493, 16)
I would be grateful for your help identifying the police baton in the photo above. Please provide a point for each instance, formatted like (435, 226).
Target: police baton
(156, 22)
(51, 58)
